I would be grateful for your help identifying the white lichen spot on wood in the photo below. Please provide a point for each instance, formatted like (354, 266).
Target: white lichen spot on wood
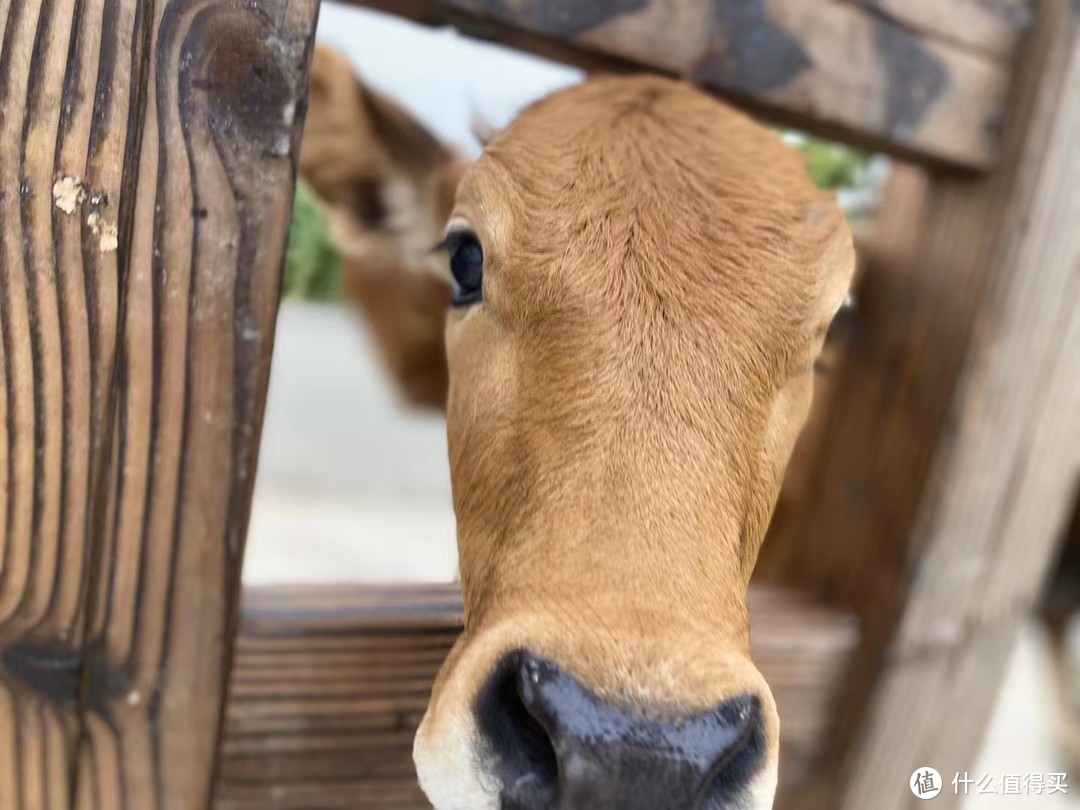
(110, 238)
(134, 697)
(108, 233)
(282, 145)
(68, 192)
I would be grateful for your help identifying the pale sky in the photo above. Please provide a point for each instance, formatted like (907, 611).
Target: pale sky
(442, 77)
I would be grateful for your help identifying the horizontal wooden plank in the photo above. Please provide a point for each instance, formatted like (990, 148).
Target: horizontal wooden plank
(925, 81)
(330, 682)
(991, 28)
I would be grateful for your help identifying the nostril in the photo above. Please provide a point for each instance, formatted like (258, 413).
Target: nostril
(519, 746)
(740, 761)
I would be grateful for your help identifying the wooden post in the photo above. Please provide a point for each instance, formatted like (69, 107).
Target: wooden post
(951, 451)
(1007, 478)
(146, 171)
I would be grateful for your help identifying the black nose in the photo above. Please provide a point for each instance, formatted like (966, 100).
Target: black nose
(554, 744)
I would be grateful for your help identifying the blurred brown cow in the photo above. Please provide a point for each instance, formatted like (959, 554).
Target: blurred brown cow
(388, 186)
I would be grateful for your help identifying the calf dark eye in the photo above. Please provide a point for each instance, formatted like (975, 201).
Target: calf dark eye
(843, 323)
(466, 267)
(367, 204)
(841, 328)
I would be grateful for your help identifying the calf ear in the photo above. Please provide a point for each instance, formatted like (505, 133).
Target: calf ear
(408, 142)
(332, 77)
(336, 141)
(483, 130)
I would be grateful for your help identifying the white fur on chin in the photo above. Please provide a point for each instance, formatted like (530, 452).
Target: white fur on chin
(448, 771)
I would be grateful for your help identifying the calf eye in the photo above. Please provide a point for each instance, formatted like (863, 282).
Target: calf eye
(466, 267)
(366, 202)
(843, 323)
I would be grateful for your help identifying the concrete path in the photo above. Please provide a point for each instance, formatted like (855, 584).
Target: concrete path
(351, 485)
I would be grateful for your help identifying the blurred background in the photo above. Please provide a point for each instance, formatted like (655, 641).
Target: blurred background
(353, 481)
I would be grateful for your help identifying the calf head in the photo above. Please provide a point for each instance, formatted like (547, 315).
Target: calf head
(643, 278)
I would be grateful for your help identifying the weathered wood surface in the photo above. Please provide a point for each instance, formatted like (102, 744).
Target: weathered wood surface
(146, 170)
(331, 682)
(948, 460)
(1008, 482)
(925, 80)
(991, 27)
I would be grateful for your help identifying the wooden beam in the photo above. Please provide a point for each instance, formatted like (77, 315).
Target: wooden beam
(993, 29)
(146, 171)
(927, 82)
(331, 682)
(949, 456)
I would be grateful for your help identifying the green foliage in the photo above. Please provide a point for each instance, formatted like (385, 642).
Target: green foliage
(831, 165)
(312, 265)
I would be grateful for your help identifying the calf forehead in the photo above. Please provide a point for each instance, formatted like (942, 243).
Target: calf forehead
(644, 196)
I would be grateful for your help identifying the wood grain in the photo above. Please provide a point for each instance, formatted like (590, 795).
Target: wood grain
(58, 312)
(146, 170)
(925, 81)
(331, 682)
